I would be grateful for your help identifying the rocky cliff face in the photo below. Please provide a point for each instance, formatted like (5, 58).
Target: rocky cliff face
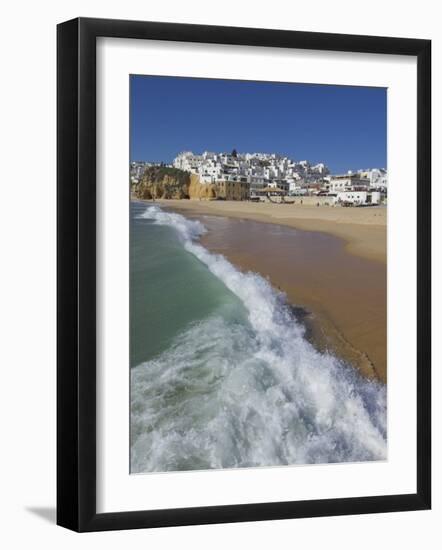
(198, 190)
(160, 182)
(226, 190)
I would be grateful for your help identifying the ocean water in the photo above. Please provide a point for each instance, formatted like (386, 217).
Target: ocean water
(222, 375)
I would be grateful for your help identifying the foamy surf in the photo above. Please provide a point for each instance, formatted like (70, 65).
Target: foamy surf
(229, 393)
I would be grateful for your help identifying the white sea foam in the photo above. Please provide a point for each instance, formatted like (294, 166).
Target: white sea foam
(257, 394)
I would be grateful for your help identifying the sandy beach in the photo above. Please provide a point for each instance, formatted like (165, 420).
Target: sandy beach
(362, 229)
(333, 270)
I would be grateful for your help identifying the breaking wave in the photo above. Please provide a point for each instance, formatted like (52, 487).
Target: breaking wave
(229, 393)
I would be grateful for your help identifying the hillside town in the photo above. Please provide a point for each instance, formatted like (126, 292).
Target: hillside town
(275, 178)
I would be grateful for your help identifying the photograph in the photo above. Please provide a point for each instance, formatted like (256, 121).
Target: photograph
(221, 262)
(258, 274)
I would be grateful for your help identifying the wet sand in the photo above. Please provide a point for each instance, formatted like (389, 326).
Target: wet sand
(340, 296)
(362, 229)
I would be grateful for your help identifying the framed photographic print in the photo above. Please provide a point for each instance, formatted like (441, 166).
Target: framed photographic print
(243, 274)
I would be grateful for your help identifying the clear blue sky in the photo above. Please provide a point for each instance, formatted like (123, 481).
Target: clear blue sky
(344, 127)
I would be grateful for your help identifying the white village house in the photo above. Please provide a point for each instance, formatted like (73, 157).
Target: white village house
(263, 172)
(358, 198)
(346, 182)
(259, 170)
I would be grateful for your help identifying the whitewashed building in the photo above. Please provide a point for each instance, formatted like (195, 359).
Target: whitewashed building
(347, 182)
(377, 177)
(358, 198)
(259, 170)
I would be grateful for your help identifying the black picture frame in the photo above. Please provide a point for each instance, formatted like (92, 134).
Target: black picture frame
(76, 274)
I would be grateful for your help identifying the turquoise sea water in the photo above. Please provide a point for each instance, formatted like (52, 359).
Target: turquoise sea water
(169, 289)
(221, 373)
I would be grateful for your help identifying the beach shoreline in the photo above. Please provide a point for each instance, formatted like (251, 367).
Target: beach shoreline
(342, 317)
(219, 348)
(363, 230)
